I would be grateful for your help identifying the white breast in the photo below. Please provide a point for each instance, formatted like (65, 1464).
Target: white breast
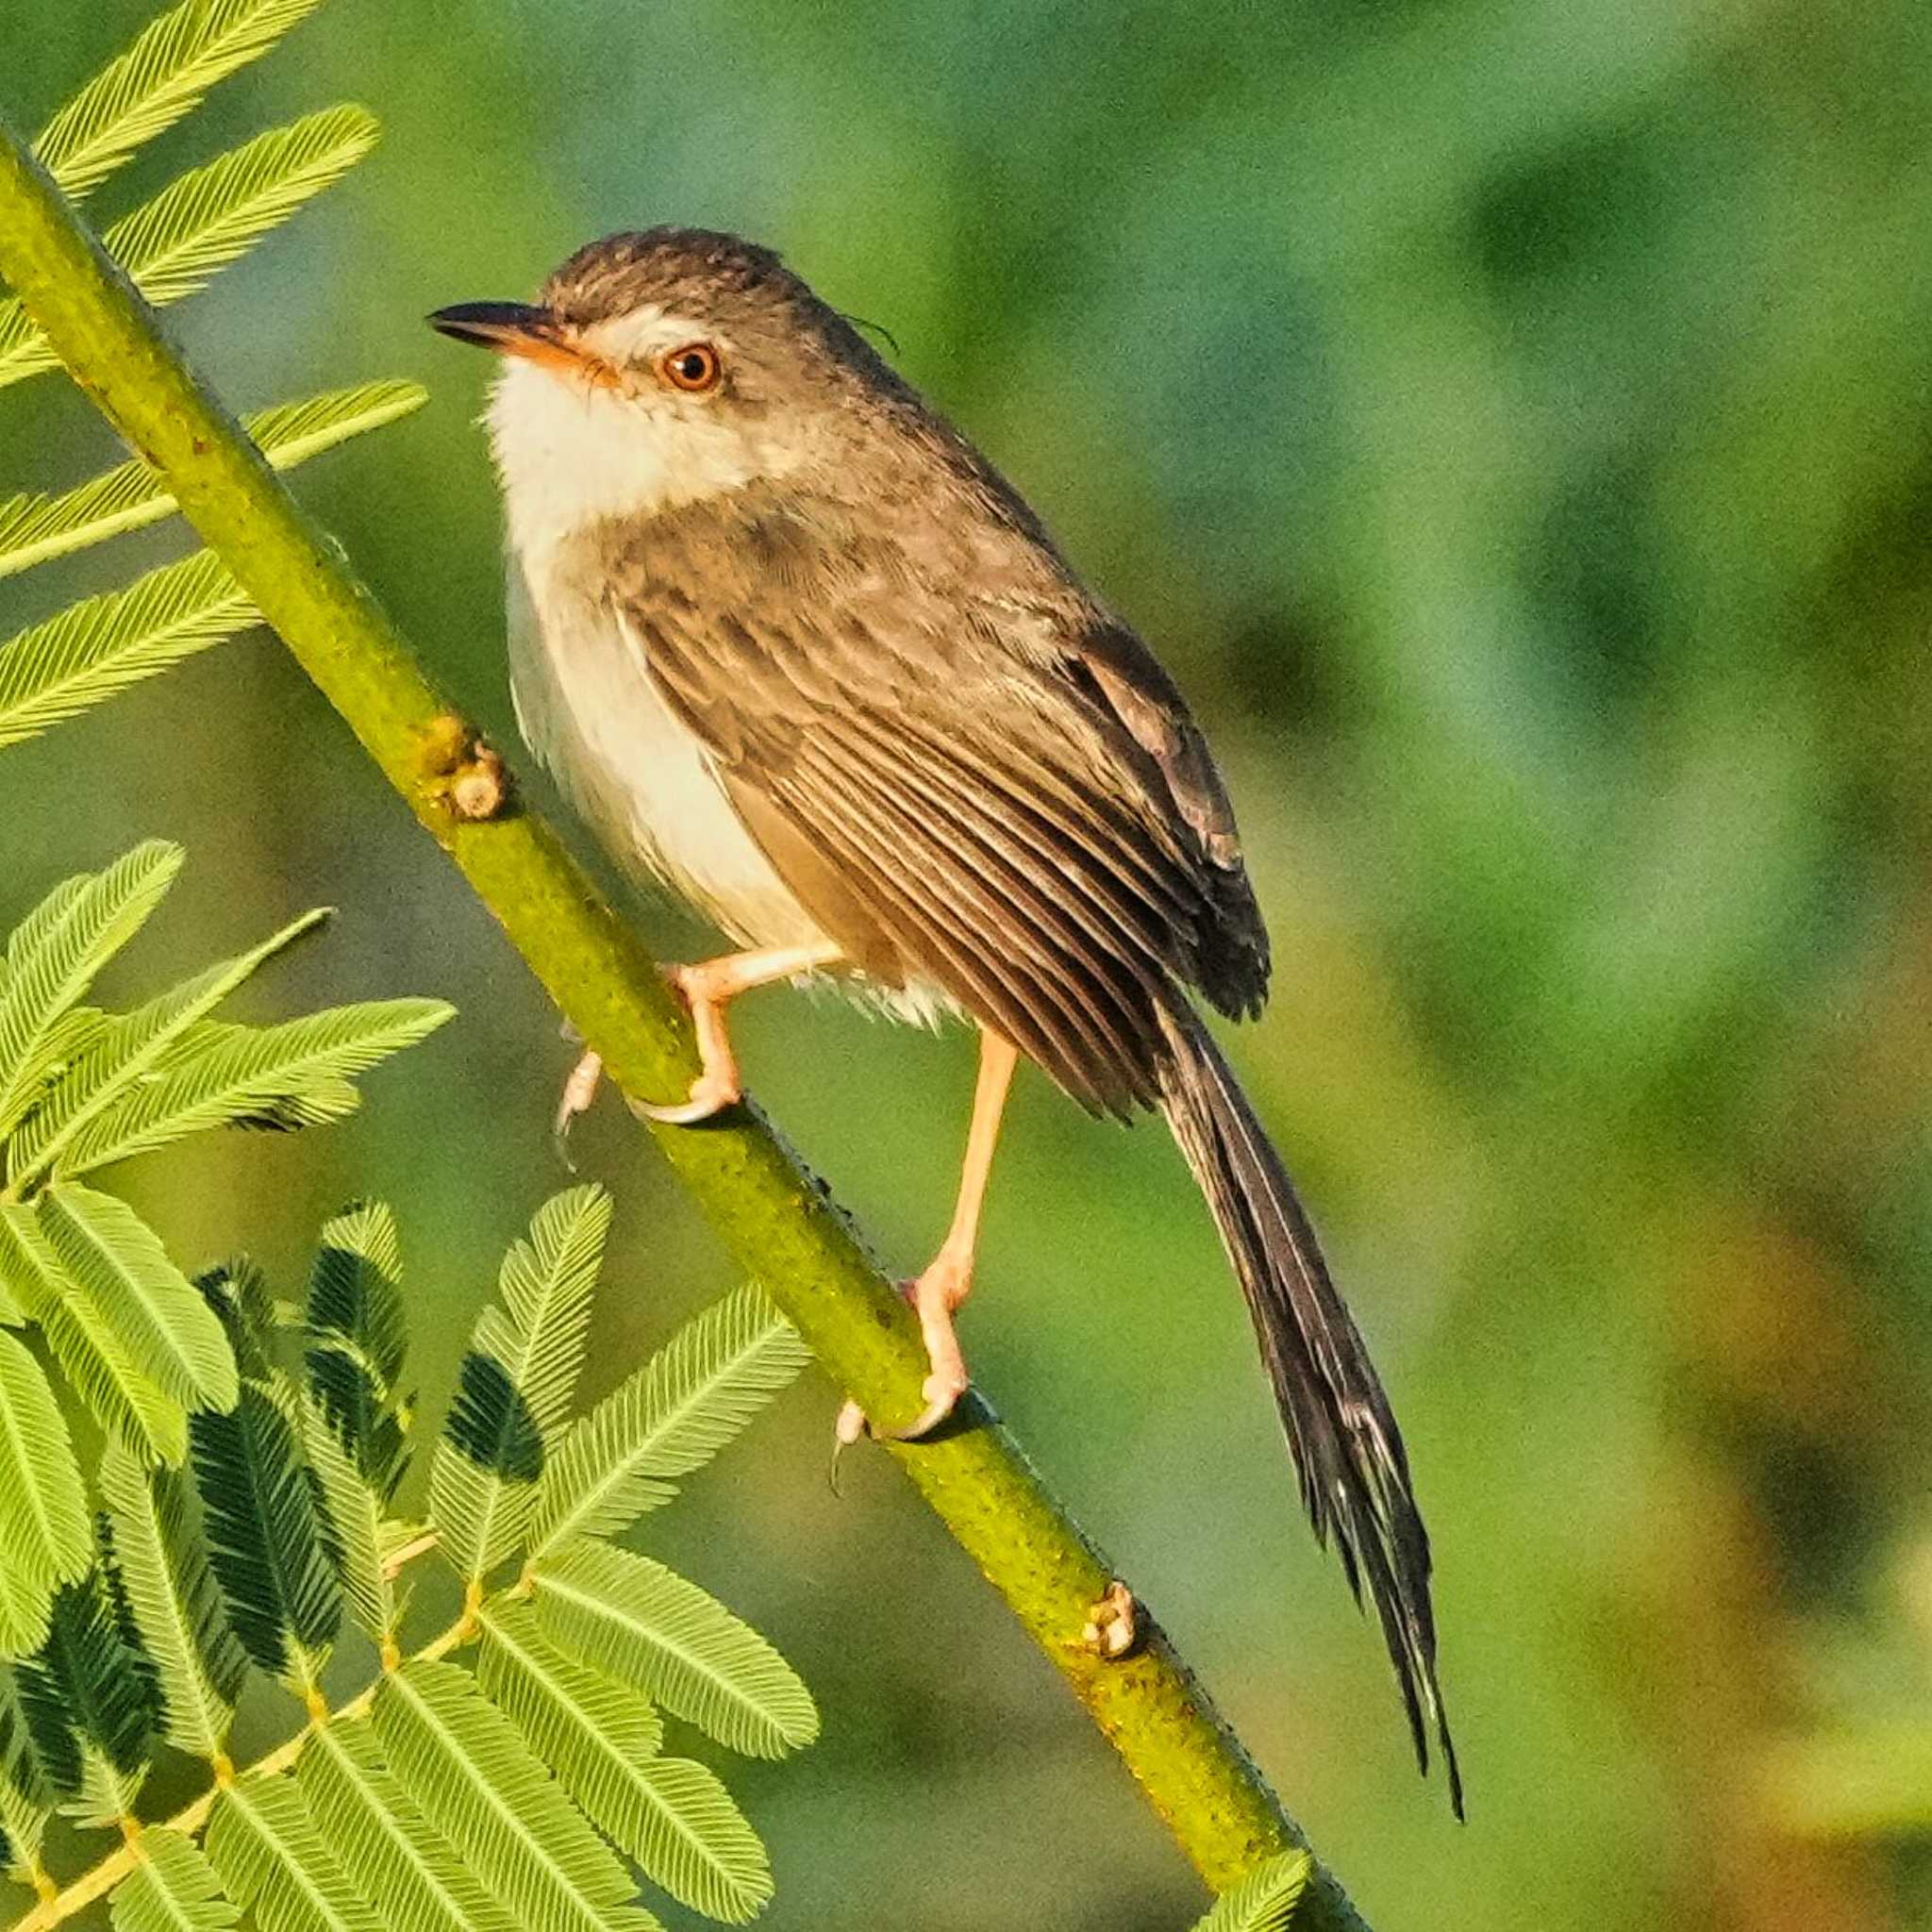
(587, 706)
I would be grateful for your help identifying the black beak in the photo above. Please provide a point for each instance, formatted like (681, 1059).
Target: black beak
(516, 328)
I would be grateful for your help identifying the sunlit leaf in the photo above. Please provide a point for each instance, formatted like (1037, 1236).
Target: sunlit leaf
(118, 1261)
(173, 1888)
(44, 1536)
(468, 1768)
(688, 1400)
(96, 648)
(38, 525)
(92, 1353)
(295, 1074)
(395, 1855)
(126, 1049)
(629, 1616)
(516, 1383)
(196, 225)
(55, 952)
(174, 1599)
(272, 1859)
(144, 92)
(1265, 1899)
(672, 1817)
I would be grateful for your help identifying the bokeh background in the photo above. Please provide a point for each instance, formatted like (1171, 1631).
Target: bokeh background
(1509, 419)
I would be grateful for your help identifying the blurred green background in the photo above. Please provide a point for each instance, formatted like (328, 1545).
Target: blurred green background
(1510, 423)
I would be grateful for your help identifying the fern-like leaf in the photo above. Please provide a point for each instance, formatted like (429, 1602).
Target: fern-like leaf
(464, 1763)
(196, 225)
(399, 1859)
(631, 1617)
(265, 1538)
(692, 1397)
(125, 1051)
(358, 1341)
(87, 1680)
(515, 1386)
(44, 1536)
(41, 1755)
(36, 527)
(1265, 1899)
(54, 954)
(295, 1074)
(356, 1545)
(118, 1262)
(144, 92)
(272, 1860)
(24, 1821)
(173, 1597)
(96, 648)
(671, 1817)
(89, 1349)
(173, 1888)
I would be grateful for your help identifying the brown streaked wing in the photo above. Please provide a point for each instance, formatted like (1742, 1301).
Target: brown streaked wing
(963, 830)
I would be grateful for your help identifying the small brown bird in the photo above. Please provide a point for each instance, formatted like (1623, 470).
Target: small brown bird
(793, 646)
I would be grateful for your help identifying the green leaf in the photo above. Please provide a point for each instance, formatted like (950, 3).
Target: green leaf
(117, 1261)
(196, 225)
(466, 1766)
(395, 1855)
(22, 1826)
(173, 1888)
(89, 1350)
(175, 1601)
(1265, 1899)
(38, 1756)
(95, 649)
(644, 1624)
(515, 1386)
(44, 1536)
(87, 1680)
(276, 1863)
(54, 954)
(265, 1538)
(38, 525)
(295, 1074)
(125, 1050)
(359, 1341)
(676, 1412)
(671, 1817)
(353, 1512)
(162, 76)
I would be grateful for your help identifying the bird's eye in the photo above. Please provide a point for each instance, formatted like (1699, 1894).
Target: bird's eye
(695, 366)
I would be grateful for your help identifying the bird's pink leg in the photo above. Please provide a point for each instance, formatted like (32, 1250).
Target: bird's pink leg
(708, 988)
(948, 1278)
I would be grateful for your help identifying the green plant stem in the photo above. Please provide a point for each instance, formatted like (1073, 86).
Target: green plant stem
(772, 1215)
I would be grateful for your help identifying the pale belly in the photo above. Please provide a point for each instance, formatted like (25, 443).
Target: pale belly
(589, 709)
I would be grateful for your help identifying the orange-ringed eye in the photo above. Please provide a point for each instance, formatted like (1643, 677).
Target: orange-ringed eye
(695, 367)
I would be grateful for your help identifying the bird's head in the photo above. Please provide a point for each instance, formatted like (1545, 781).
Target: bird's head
(659, 368)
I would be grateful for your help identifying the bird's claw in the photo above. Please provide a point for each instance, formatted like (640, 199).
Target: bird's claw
(710, 1096)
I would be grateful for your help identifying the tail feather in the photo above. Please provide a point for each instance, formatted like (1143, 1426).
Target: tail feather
(1347, 1450)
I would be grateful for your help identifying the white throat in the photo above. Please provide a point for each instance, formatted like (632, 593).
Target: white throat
(571, 455)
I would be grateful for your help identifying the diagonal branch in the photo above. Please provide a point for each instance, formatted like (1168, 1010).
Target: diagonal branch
(772, 1215)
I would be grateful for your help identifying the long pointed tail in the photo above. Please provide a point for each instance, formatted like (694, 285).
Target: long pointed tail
(1347, 1449)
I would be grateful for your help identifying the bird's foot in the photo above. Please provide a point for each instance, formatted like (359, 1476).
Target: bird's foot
(933, 1298)
(719, 1084)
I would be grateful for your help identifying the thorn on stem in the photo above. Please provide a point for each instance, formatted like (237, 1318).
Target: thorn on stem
(1112, 1629)
(465, 772)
